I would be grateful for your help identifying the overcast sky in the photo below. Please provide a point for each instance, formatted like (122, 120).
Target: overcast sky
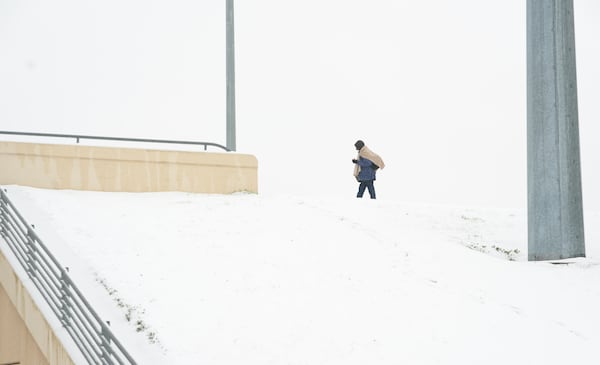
(435, 87)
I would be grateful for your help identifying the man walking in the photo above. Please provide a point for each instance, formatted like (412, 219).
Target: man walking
(366, 165)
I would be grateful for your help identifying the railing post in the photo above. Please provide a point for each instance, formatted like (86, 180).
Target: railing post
(30, 253)
(64, 304)
(2, 219)
(105, 344)
(1, 213)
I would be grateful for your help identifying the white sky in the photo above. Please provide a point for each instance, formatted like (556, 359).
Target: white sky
(436, 87)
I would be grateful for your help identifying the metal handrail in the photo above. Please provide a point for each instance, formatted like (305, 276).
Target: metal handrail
(78, 137)
(89, 332)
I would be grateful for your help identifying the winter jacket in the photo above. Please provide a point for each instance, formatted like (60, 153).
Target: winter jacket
(367, 169)
(365, 154)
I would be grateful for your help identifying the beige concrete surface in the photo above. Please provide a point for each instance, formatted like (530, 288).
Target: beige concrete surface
(53, 166)
(25, 335)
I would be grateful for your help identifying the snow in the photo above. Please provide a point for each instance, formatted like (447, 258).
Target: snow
(303, 273)
(306, 279)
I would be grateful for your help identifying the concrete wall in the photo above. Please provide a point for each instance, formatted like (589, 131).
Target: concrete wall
(78, 167)
(25, 335)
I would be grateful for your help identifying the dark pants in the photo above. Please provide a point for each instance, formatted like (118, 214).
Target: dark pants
(366, 185)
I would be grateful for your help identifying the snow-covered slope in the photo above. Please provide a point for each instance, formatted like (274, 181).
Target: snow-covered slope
(251, 279)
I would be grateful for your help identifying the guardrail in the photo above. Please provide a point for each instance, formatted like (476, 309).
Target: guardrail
(78, 137)
(91, 335)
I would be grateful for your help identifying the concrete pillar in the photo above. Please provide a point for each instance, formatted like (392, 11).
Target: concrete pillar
(555, 211)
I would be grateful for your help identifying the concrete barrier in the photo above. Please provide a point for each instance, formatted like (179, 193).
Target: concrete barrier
(25, 335)
(53, 166)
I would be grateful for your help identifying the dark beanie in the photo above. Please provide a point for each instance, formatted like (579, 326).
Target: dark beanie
(359, 144)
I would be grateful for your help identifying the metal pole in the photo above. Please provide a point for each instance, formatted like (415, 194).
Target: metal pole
(555, 209)
(230, 77)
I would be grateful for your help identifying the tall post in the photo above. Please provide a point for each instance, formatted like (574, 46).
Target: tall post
(555, 210)
(230, 78)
